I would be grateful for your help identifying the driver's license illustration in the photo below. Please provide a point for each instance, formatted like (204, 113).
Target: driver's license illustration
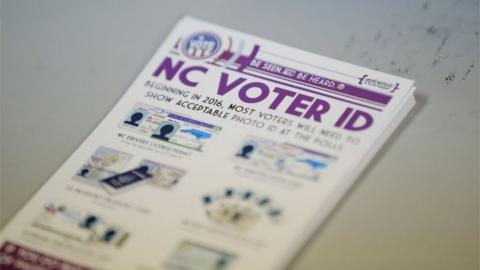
(162, 125)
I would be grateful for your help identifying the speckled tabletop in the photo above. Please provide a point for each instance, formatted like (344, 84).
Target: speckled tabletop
(65, 64)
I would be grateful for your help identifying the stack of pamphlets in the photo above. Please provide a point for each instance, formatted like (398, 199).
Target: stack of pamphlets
(226, 153)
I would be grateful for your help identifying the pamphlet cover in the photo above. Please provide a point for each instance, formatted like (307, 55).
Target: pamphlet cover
(226, 152)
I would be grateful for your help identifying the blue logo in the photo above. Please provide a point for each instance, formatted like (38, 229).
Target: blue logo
(201, 45)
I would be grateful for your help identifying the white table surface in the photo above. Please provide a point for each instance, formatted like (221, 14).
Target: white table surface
(64, 64)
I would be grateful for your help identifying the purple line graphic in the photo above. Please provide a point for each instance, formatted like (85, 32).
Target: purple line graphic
(319, 81)
(322, 89)
(307, 90)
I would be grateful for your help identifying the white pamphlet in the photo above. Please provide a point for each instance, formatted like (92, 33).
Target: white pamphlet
(226, 153)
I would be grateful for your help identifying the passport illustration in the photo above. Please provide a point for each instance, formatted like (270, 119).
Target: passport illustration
(158, 175)
(126, 180)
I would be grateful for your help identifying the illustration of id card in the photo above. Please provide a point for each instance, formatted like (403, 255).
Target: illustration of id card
(104, 162)
(190, 256)
(163, 176)
(283, 158)
(162, 125)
